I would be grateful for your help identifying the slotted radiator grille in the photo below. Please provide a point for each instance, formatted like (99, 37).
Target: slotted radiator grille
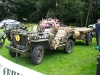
(22, 41)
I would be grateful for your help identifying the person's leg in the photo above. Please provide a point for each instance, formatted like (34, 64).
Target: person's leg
(97, 38)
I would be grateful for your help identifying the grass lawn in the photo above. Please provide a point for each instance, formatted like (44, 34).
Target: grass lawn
(82, 61)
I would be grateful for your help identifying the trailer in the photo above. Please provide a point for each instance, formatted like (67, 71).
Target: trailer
(83, 33)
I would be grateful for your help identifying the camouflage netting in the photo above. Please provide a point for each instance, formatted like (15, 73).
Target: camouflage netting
(62, 32)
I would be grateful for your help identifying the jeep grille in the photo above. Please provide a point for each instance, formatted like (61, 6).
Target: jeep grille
(22, 41)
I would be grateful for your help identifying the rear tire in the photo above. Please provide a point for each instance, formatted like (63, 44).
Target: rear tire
(69, 46)
(37, 55)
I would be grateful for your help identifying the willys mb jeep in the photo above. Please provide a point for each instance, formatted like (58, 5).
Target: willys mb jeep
(34, 43)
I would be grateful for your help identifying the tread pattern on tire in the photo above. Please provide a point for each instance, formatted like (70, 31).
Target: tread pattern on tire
(34, 54)
(65, 50)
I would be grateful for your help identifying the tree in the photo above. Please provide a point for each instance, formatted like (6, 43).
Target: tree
(68, 11)
(89, 11)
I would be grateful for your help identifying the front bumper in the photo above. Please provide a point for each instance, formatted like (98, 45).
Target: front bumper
(17, 50)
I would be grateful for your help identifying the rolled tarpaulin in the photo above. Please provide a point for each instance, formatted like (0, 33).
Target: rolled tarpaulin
(76, 34)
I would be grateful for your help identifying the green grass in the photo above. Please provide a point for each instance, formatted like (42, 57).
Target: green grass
(82, 61)
(30, 26)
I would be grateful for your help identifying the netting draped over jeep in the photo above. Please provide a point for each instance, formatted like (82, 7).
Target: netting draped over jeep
(60, 35)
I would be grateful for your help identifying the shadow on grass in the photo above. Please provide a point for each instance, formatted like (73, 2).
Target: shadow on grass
(80, 43)
(48, 54)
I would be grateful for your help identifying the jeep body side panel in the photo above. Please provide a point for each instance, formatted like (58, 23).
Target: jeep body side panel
(45, 44)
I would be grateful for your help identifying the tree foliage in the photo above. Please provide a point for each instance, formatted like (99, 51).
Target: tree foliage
(68, 11)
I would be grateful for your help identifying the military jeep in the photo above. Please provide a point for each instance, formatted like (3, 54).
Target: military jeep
(50, 36)
(34, 43)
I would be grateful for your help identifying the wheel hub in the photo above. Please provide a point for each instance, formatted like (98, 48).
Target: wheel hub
(39, 55)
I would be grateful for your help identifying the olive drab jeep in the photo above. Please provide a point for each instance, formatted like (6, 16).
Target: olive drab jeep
(35, 42)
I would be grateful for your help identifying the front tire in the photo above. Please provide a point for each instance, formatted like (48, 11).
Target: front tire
(69, 46)
(12, 53)
(37, 55)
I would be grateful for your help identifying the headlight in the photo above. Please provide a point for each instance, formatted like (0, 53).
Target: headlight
(28, 38)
